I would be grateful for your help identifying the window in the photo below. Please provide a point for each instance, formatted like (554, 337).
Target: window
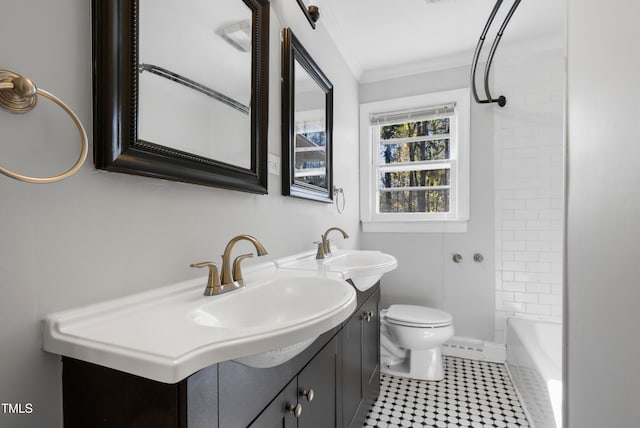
(415, 163)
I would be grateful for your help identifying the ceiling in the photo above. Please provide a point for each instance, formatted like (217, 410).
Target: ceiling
(381, 37)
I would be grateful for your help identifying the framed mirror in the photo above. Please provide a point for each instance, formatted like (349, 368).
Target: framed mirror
(307, 116)
(181, 90)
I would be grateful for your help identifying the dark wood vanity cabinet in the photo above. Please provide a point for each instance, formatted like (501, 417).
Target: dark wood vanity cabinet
(342, 367)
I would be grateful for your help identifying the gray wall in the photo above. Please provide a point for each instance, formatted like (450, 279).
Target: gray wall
(603, 292)
(426, 274)
(101, 235)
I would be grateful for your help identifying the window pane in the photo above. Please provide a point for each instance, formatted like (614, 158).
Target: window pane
(415, 201)
(414, 151)
(433, 177)
(415, 129)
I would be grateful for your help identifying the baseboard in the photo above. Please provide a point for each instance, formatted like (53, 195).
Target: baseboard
(474, 349)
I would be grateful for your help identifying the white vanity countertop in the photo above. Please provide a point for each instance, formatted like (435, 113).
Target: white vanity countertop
(154, 335)
(363, 267)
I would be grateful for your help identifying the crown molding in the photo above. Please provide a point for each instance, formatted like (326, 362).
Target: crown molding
(515, 51)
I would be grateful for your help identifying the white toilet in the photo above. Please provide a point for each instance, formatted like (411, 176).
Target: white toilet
(410, 340)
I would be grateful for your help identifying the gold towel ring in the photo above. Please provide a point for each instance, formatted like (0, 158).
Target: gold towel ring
(19, 94)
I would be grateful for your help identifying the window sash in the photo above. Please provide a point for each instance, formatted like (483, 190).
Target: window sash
(382, 191)
(414, 166)
(404, 140)
(413, 214)
(421, 165)
(434, 160)
(413, 188)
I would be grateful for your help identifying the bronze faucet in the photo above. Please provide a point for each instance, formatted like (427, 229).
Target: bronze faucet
(326, 245)
(226, 276)
(228, 280)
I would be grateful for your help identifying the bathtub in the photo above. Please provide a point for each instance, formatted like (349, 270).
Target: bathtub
(534, 361)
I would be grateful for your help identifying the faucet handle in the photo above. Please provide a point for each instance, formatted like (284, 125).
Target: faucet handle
(237, 273)
(213, 282)
(320, 254)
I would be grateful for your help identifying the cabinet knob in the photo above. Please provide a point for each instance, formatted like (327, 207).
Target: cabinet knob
(296, 410)
(367, 316)
(308, 394)
(457, 258)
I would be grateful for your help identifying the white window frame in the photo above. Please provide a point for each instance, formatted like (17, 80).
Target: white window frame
(457, 218)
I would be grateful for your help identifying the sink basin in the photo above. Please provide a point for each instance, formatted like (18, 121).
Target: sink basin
(363, 267)
(361, 261)
(283, 302)
(170, 333)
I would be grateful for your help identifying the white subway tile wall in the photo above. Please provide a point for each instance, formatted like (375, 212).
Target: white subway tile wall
(529, 161)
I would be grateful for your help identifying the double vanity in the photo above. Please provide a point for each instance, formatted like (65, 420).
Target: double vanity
(295, 345)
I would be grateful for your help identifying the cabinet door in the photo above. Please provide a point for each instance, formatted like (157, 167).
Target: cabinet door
(351, 368)
(371, 349)
(361, 363)
(317, 389)
(281, 412)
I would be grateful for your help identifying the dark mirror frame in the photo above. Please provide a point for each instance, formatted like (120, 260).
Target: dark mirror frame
(292, 51)
(115, 101)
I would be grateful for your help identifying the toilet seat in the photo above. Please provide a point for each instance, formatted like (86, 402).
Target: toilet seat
(417, 316)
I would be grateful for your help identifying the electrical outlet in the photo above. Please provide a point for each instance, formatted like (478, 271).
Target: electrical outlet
(273, 164)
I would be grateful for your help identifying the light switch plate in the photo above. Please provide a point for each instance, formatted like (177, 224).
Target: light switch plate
(273, 164)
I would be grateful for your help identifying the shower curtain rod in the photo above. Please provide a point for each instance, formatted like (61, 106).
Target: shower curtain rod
(501, 100)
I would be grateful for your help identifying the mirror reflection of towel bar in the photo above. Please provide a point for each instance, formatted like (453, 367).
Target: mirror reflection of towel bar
(175, 77)
(19, 94)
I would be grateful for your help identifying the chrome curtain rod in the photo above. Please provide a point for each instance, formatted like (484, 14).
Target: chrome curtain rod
(501, 100)
(163, 72)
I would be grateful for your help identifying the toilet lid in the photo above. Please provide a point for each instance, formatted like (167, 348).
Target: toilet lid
(413, 315)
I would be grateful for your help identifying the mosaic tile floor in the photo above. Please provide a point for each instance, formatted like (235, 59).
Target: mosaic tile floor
(473, 394)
